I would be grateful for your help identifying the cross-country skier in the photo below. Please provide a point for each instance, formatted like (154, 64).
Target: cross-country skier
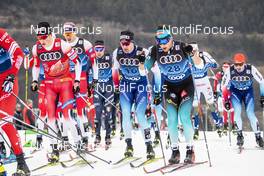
(55, 54)
(104, 92)
(129, 62)
(84, 50)
(222, 96)
(11, 58)
(202, 62)
(239, 80)
(172, 59)
(42, 101)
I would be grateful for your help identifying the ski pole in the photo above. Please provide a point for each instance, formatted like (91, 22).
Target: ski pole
(51, 136)
(229, 126)
(108, 162)
(161, 145)
(201, 114)
(11, 150)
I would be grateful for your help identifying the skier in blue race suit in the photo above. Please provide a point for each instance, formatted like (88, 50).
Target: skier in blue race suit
(129, 63)
(174, 64)
(239, 80)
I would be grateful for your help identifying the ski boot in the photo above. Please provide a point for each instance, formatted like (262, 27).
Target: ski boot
(259, 140)
(22, 168)
(225, 129)
(190, 156)
(234, 129)
(108, 142)
(39, 142)
(97, 140)
(85, 144)
(150, 151)
(240, 139)
(175, 156)
(2, 150)
(219, 130)
(113, 132)
(2, 170)
(196, 134)
(129, 149)
(65, 145)
(156, 139)
(54, 157)
(122, 135)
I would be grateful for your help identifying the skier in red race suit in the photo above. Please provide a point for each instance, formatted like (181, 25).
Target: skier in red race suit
(54, 54)
(223, 97)
(11, 58)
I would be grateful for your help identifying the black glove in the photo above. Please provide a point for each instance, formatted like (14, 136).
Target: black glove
(157, 98)
(89, 92)
(188, 49)
(34, 86)
(94, 84)
(262, 101)
(8, 84)
(148, 111)
(215, 95)
(141, 58)
(227, 105)
(76, 86)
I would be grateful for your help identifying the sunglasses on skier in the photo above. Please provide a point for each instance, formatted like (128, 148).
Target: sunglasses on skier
(163, 41)
(125, 42)
(239, 64)
(99, 49)
(42, 37)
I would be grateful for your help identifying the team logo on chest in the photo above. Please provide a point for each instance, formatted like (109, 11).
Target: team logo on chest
(79, 50)
(103, 65)
(241, 78)
(129, 61)
(170, 59)
(50, 56)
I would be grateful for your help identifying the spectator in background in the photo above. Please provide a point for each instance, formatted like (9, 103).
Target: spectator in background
(19, 115)
(27, 113)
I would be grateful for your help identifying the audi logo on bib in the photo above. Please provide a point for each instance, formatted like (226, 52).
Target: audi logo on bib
(241, 78)
(129, 61)
(79, 50)
(103, 65)
(50, 56)
(170, 59)
(176, 77)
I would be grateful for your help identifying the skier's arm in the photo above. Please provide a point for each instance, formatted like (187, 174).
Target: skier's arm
(36, 65)
(115, 70)
(259, 78)
(73, 56)
(11, 46)
(226, 80)
(210, 60)
(92, 56)
(157, 78)
(151, 58)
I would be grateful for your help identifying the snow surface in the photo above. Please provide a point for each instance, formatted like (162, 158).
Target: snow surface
(225, 159)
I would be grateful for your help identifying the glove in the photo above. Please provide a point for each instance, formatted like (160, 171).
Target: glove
(26, 51)
(262, 101)
(148, 111)
(188, 49)
(215, 95)
(94, 83)
(227, 105)
(89, 92)
(76, 86)
(8, 84)
(141, 58)
(157, 99)
(34, 86)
